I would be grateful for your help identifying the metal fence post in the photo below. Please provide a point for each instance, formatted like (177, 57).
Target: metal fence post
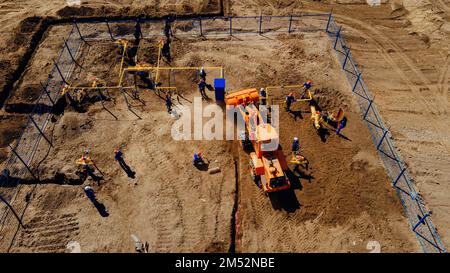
(382, 138)
(421, 220)
(40, 131)
(109, 30)
(231, 26)
(79, 32)
(346, 58)
(48, 94)
(59, 71)
(70, 53)
(368, 108)
(329, 22)
(260, 24)
(290, 24)
(398, 177)
(23, 162)
(12, 209)
(356, 82)
(338, 35)
(201, 28)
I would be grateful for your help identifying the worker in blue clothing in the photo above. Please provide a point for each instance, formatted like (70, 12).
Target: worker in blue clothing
(295, 146)
(341, 125)
(306, 86)
(201, 88)
(169, 102)
(289, 100)
(262, 96)
(198, 159)
(202, 74)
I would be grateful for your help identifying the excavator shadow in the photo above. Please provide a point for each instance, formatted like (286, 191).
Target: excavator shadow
(284, 200)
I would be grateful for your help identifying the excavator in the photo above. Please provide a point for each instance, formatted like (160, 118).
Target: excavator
(267, 161)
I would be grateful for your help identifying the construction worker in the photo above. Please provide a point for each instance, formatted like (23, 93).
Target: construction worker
(295, 146)
(137, 31)
(289, 100)
(169, 102)
(201, 88)
(198, 159)
(306, 86)
(262, 96)
(299, 160)
(168, 27)
(341, 125)
(202, 74)
(166, 49)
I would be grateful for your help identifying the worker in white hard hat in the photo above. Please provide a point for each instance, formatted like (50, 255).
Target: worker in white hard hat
(202, 74)
(262, 96)
(295, 146)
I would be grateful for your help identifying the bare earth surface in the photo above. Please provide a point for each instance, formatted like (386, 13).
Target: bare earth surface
(342, 202)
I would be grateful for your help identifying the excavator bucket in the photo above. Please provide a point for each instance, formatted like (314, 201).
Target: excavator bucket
(242, 97)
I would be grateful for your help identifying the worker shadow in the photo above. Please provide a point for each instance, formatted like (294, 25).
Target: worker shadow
(344, 137)
(130, 173)
(202, 166)
(297, 114)
(99, 206)
(323, 134)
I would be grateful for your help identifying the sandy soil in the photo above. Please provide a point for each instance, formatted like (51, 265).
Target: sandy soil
(412, 39)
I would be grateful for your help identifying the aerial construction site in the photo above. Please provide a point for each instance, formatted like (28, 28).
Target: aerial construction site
(224, 126)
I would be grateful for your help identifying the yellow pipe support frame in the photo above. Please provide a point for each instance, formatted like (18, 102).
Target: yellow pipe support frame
(288, 87)
(150, 68)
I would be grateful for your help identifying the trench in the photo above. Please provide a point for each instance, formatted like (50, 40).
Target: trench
(233, 231)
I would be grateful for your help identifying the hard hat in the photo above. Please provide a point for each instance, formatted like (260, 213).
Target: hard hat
(309, 82)
(291, 94)
(200, 154)
(296, 138)
(262, 89)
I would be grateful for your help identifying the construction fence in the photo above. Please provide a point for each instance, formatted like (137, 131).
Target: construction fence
(20, 162)
(415, 210)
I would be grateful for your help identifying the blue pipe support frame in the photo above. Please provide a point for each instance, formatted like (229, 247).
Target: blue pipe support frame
(382, 139)
(338, 36)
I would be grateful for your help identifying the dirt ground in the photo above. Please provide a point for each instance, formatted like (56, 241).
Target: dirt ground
(410, 36)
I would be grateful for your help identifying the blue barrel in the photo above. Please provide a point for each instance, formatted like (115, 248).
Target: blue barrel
(219, 88)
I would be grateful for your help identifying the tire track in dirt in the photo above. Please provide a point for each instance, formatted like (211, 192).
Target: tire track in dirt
(181, 222)
(49, 232)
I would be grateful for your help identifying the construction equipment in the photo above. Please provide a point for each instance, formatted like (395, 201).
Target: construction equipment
(267, 161)
(322, 119)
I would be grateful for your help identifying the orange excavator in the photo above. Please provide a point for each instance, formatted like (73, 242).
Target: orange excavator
(267, 161)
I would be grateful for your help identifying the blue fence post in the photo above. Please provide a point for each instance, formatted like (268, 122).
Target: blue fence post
(338, 35)
(382, 138)
(421, 220)
(23, 162)
(40, 131)
(398, 177)
(59, 71)
(290, 24)
(368, 108)
(48, 94)
(356, 82)
(201, 28)
(260, 24)
(109, 30)
(329, 22)
(79, 32)
(12, 209)
(346, 57)
(231, 26)
(70, 53)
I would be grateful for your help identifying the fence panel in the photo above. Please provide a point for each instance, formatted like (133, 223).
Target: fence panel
(414, 207)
